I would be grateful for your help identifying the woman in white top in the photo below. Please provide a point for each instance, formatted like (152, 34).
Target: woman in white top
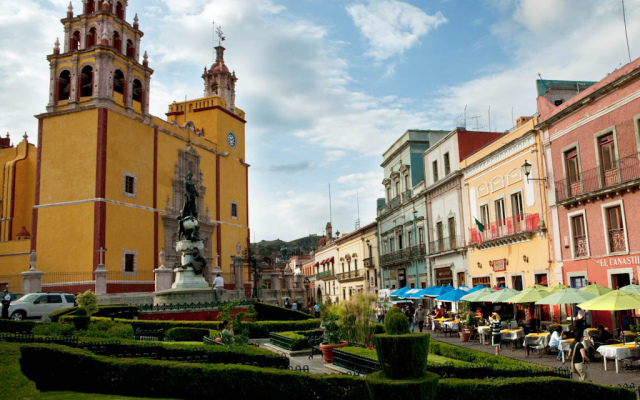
(554, 342)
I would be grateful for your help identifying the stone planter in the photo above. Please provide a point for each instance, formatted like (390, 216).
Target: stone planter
(465, 335)
(327, 350)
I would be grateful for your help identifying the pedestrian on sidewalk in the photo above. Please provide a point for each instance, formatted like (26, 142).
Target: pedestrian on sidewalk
(579, 359)
(420, 316)
(496, 336)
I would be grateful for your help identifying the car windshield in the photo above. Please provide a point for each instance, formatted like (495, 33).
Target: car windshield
(29, 297)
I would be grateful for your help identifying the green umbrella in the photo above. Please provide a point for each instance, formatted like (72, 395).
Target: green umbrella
(556, 288)
(477, 295)
(613, 301)
(567, 296)
(631, 288)
(596, 289)
(529, 295)
(499, 296)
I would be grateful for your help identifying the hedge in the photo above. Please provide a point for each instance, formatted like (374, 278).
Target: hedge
(11, 326)
(107, 311)
(186, 334)
(260, 329)
(528, 389)
(55, 316)
(81, 371)
(269, 312)
(296, 340)
(424, 388)
(403, 356)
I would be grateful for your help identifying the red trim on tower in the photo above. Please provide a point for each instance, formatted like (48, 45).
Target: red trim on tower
(248, 229)
(34, 218)
(219, 230)
(217, 108)
(169, 114)
(13, 190)
(100, 207)
(155, 197)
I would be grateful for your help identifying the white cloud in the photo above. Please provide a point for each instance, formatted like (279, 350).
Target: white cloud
(391, 27)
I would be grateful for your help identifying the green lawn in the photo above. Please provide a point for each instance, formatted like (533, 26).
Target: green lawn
(15, 386)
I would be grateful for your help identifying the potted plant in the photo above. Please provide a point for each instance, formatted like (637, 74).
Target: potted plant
(332, 333)
(468, 327)
(87, 305)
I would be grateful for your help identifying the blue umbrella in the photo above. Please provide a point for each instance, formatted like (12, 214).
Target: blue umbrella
(463, 287)
(439, 291)
(410, 294)
(475, 289)
(400, 291)
(453, 295)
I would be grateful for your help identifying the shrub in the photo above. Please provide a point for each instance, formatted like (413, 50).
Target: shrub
(423, 388)
(355, 321)
(294, 341)
(55, 316)
(89, 301)
(396, 324)
(108, 311)
(269, 312)
(394, 310)
(10, 326)
(358, 351)
(403, 356)
(262, 329)
(54, 329)
(186, 334)
(377, 328)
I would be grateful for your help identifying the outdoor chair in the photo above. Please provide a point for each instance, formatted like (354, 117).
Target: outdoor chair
(436, 327)
(534, 343)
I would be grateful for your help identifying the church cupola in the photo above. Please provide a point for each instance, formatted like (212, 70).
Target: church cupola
(218, 81)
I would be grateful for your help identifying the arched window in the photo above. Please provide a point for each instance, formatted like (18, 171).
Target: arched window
(118, 82)
(86, 82)
(91, 38)
(119, 11)
(138, 91)
(131, 51)
(64, 86)
(88, 6)
(75, 41)
(117, 42)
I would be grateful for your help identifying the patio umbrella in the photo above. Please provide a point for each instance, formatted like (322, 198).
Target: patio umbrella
(453, 295)
(410, 294)
(557, 288)
(463, 287)
(529, 295)
(567, 296)
(596, 289)
(478, 294)
(613, 301)
(475, 288)
(500, 296)
(631, 288)
(400, 291)
(439, 291)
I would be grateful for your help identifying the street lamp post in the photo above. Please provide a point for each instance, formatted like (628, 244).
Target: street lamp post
(257, 275)
(307, 284)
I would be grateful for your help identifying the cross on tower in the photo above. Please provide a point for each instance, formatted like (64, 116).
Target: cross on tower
(101, 251)
(221, 37)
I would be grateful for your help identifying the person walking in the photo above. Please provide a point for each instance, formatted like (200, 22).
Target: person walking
(218, 285)
(316, 310)
(496, 336)
(6, 301)
(579, 357)
(420, 316)
(380, 314)
(294, 306)
(408, 314)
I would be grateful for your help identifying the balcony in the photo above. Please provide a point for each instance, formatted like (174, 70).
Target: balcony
(403, 255)
(507, 231)
(406, 196)
(351, 275)
(598, 181)
(396, 202)
(447, 244)
(368, 262)
(617, 241)
(325, 274)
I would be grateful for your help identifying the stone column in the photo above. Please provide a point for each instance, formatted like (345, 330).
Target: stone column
(288, 280)
(239, 273)
(101, 280)
(275, 280)
(163, 275)
(32, 279)
(300, 282)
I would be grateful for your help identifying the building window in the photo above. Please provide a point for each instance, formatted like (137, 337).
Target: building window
(541, 279)
(129, 184)
(615, 227)
(517, 208)
(580, 247)
(608, 159)
(573, 173)
(500, 212)
(129, 262)
(516, 282)
(420, 236)
(409, 237)
(234, 210)
(435, 171)
(391, 245)
(484, 215)
(439, 236)
(578, 282)
(388, 193)
(501, 282)
(397, 188)
(484, 281)
(447, 165)
(407, 184)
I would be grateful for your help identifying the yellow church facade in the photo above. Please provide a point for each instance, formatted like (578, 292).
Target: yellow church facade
(108, 183)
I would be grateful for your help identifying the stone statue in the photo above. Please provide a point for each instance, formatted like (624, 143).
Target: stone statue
(192, 244)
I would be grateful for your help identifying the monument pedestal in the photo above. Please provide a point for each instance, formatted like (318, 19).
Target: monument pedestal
(187, 279)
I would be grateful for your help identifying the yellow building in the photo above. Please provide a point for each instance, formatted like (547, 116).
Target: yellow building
(110, 175)
(509, 245)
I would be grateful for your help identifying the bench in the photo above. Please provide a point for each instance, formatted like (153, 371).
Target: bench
(157, 334)
(314, 343)
(209, 341)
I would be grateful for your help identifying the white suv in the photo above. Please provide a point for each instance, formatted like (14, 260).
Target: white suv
(35, 305)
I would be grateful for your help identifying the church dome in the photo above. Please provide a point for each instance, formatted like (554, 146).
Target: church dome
(219, 67)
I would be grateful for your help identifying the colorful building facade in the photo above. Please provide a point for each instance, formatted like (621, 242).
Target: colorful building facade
(109, 176)
(508, 246)
(592, 150)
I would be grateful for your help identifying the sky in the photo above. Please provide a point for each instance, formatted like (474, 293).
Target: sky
(329, 85)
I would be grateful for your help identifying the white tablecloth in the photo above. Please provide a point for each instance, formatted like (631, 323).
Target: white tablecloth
(619, 353)
(512, 334)
(452, 325)
(544, 339)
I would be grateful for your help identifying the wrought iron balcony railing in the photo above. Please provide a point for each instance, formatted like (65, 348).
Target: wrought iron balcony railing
(617, 241)
(602, 177)
(324, 274)
(446, 244)
(358, 273)
(580, 246)
(402, 255)
(506, 227)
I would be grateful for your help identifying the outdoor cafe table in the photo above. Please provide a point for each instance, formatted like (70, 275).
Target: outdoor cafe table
(565, 345)
(485, 331)
(565, 327)
(453, 325)
(618, 352)
(441, 320)
(544, 338)
(512, 335)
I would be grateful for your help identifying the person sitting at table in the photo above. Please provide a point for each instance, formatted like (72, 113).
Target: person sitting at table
(496, 336)
(554, 341)
(604, 334)
(479, 312)
(440, 312)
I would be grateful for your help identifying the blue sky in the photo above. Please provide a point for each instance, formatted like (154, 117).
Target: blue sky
(329, 85)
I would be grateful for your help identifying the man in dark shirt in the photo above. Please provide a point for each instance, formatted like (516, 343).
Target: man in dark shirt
(604, 334)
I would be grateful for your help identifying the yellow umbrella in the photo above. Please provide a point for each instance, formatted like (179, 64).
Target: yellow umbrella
(529, 295)
(613, 301)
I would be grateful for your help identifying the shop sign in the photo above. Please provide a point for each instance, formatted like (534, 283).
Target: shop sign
(444, 273)
(401, 273)
(499, 265)
(617, 261)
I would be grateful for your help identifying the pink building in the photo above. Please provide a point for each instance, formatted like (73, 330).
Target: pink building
(592, 144)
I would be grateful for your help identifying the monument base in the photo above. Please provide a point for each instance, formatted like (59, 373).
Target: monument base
(184, 296)
(187, 279)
